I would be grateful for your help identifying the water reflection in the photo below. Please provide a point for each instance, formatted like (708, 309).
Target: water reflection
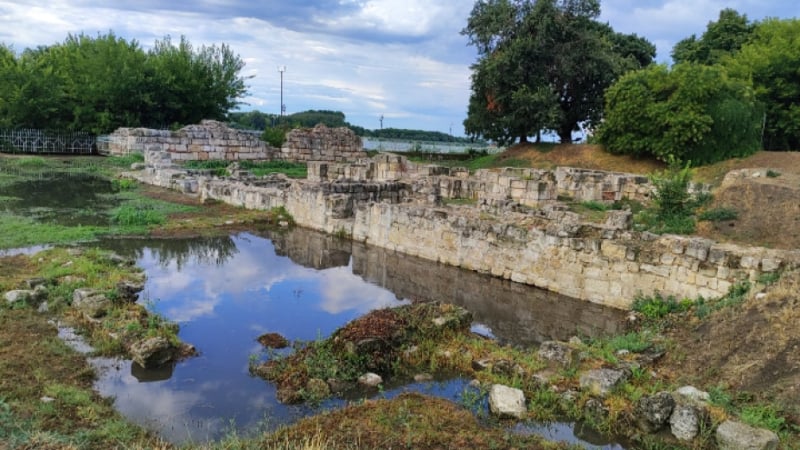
(227, 291)
(215, 250)
(509, 311)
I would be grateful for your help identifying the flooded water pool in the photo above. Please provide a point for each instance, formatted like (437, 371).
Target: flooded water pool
(63, 198)
(225, 292)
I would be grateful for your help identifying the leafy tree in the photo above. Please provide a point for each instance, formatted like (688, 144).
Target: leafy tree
(192, 85)
(723, 37)
(771, 59)
(543, 64)
(690, 113)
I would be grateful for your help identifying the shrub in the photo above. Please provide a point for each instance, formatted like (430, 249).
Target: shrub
(719, 214)
(275, 136)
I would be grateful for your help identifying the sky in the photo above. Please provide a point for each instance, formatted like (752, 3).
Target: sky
(403, 60)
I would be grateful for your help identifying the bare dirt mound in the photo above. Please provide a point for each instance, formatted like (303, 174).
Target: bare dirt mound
(753, 348)
(586, 156)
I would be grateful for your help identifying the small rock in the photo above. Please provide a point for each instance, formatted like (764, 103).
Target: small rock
(72, 279)
(558, 352)
(475, 384)
(129, 290)
(47, 399)
(18, 295)
(423, 377)
(652, 413)
(43, 308)
(283, 224)
(507, 402)
(733, 435)
(575, 340)
(273, 340)
(481, 364)
(33, 282)
(761, 296)
(152, 352)
(370, 379)
(91, 303)
(138, 166)
(691, 394)
(601, 381)
(684, 422)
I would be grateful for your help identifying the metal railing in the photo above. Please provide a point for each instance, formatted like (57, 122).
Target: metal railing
(26, 140)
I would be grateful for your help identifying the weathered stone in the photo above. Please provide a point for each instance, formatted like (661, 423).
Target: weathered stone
(733, 435)
(507, 402)
(129, 290)
(423, 377)
(481, 364)
(684, 422)
(90, 302)
(32, 283)
(691, 394)
(558, 352)
(651, 413)
(273, 340)
(18, 295)
(601, 381)
(152, 352)
(370, 379)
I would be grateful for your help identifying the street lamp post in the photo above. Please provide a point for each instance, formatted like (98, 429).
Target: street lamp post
(282, 69)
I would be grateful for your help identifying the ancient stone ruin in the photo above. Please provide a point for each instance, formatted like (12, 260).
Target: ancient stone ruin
(212, 140)
(322, 144)
(510, 223)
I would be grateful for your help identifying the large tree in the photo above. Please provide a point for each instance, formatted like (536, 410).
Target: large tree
(687, 113)
(721, 38)
(543, 64)
(100, 83)
(771, 59)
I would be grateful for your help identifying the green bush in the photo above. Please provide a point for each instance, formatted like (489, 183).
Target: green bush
(719, 214)
(274, 136)
(657, 306)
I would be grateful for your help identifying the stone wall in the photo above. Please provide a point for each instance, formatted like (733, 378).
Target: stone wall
(548, 246)
(322, 144)
(513, 311)
(210, 140)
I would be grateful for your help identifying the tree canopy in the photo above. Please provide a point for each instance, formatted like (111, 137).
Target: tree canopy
(721, 38)
(689, 113)
(771, 60)
(100, 83)
(543, 65)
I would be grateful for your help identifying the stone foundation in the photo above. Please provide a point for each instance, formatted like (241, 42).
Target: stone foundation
(514, 231)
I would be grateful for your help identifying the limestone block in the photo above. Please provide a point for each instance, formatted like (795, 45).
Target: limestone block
(733, 435)
(507, 402)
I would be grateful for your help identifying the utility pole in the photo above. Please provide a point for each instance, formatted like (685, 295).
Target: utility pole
(282, 69)
(381, 119)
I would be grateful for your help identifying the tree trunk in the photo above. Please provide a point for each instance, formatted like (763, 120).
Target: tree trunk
(565, 135)
(539, 137)
(523, 139)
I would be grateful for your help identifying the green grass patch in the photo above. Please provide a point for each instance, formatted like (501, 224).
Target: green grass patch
(773, 174)
(656, 306)
(138, 214)
(721, 214)
(125, 161)
(459, 201)
(290, 169)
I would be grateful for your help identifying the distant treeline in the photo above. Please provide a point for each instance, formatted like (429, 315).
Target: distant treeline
(97, 84)
(257, 120)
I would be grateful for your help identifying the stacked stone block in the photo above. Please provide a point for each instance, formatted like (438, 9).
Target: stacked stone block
(322, 144)
(210, 140)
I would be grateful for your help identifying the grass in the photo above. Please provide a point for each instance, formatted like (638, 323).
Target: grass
(721, 214)
(259, 169)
